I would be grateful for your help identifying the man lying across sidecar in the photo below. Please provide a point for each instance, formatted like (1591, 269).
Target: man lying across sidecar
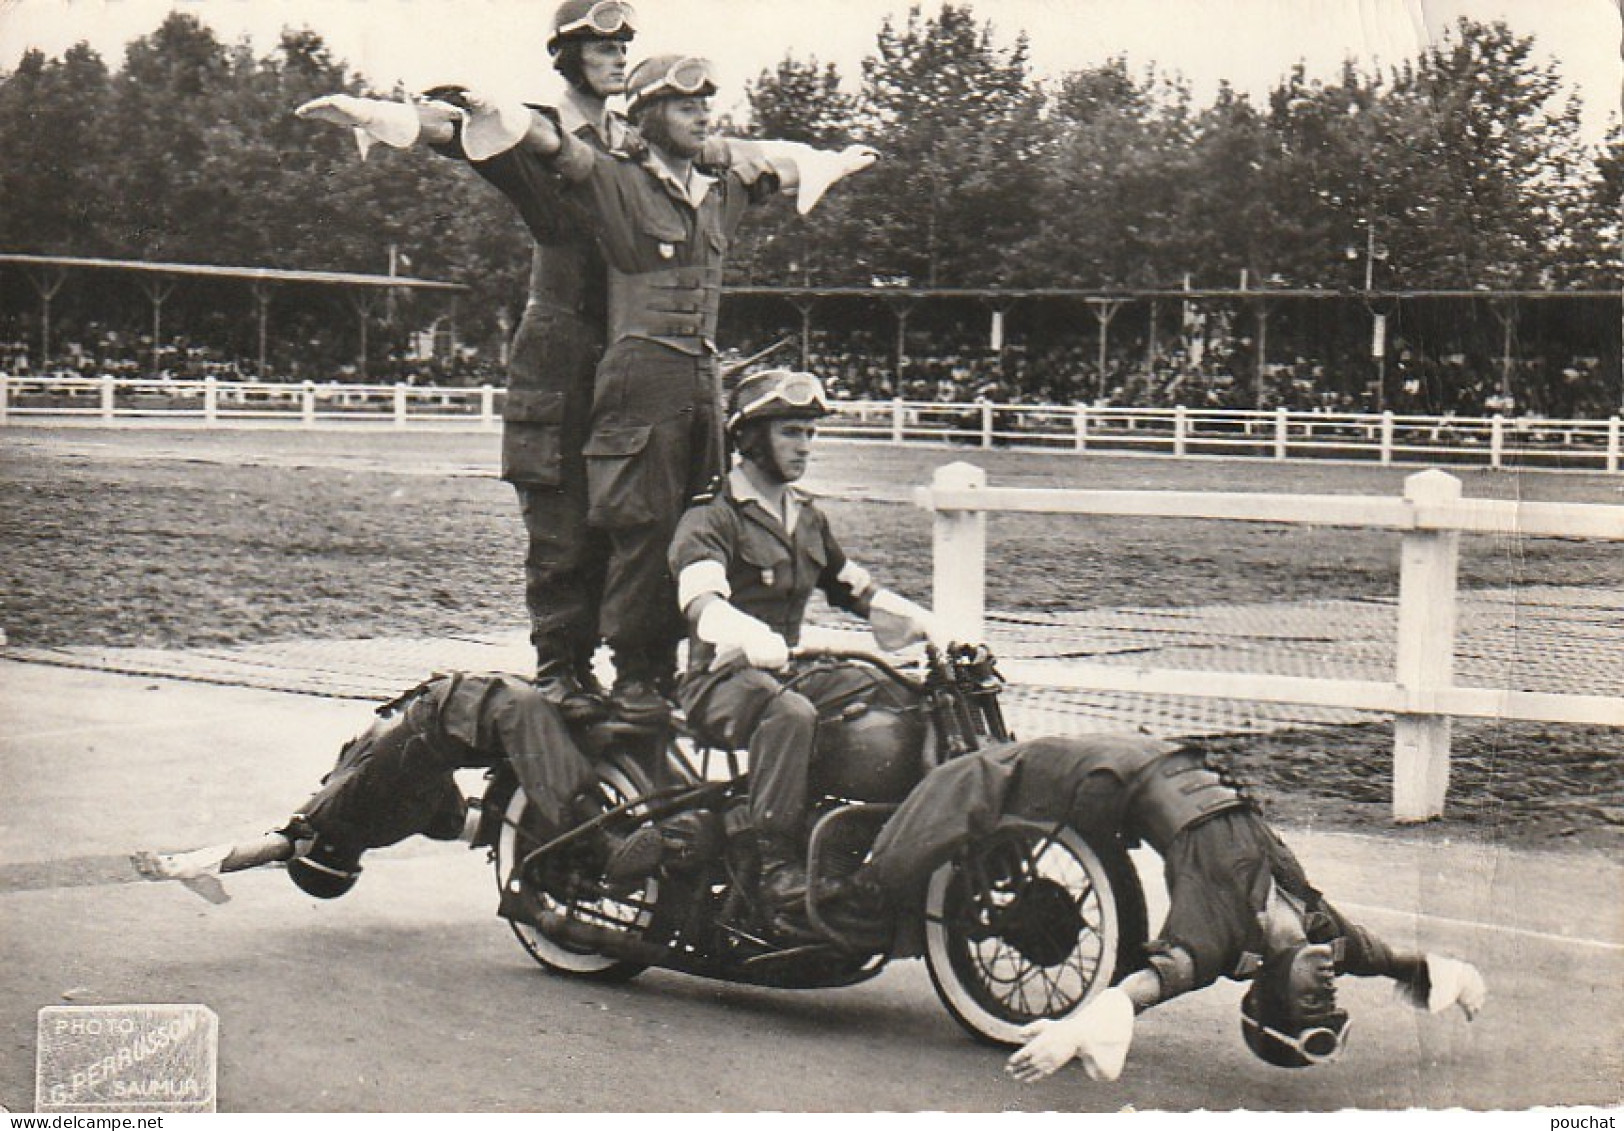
(396, 780)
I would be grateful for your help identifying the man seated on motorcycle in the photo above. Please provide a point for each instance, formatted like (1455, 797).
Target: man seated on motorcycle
(1240, 907)
(395, 780)
(746, 560)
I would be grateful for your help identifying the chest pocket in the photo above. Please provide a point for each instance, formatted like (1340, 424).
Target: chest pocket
(765, 565)
(666, 235)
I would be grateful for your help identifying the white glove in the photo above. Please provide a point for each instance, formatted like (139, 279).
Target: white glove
(897, 622)
(198, 870)
(492, 127)
(735, 632)
(1453, 982)
(1099, 1035)
(373, 119)
(819, 168)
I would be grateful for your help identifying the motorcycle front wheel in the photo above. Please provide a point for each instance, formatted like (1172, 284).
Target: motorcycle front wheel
(1030, 923)
(520, 834)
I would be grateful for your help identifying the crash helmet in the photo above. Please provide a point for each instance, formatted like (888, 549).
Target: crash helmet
(1279, 1033)
(669, 76)
(776, 394)
(591, 19)
(325, 871)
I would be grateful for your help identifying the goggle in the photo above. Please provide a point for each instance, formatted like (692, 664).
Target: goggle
(1319, 1045)
(688, 76)
(797, 390)
(605, 18)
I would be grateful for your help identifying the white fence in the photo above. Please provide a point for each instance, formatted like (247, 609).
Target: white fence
(1493, 441)
(215, 403)
(1422, 695)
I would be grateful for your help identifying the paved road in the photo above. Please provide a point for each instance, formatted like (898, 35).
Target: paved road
(410, 995)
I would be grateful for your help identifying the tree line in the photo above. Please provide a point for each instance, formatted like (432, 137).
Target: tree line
(1462, 167)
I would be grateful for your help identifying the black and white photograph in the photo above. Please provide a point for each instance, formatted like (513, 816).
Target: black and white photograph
(861, 556)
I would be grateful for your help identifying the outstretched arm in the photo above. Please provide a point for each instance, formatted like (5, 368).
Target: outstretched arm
(1099, 1034)
(199, 869)
(1432, 982)
(396, 124)
(489, 127)
(801, 169)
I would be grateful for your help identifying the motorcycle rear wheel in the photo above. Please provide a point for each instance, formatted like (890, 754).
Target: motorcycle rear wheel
(519, 836)
(1028, 924)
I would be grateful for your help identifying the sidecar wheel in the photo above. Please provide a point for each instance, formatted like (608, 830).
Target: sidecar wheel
(1023, 925)
(519, 835)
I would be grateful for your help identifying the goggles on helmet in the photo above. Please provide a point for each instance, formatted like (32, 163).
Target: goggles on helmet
(605, 18)
(1318, 1045)
(793, 391)
(688, 77)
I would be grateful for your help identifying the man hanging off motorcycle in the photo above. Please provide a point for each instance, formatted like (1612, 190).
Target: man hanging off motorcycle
(395, 780)
(1241, 905)
(746, 562)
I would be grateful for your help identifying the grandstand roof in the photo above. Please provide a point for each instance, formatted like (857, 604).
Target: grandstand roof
(262, 274)
(1107, 295)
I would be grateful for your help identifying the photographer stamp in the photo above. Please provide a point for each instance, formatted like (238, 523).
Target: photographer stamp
(126, 1058)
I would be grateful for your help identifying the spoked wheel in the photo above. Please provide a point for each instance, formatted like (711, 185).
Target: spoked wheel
(1029, 923)
(520, 835)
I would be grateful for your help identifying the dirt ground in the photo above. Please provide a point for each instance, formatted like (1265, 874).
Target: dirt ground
(178, 539)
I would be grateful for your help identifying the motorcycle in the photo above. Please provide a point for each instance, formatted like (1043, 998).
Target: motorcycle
(1027, 922)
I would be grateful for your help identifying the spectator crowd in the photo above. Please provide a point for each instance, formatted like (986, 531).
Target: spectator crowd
(939, 367)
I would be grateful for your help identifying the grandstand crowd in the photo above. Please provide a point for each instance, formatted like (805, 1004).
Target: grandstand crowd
(861, 365)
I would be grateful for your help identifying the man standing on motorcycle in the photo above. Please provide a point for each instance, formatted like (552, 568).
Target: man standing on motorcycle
(664, 211)
(1240, 906)
(555, 351)
(746, 561)
(395, 780)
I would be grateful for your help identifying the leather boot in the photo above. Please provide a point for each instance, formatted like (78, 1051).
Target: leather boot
(557, 681)
(636, 701)
(634, 858)
(857, 909)
(783, 888)
(634, 697)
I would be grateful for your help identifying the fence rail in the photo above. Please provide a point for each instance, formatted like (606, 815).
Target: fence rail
(1279, 434)
(1422, 696)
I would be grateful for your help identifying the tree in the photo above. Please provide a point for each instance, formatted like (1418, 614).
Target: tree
(801, 101)
(1508, 152)
(958, 121)
(54, 136)
(1108, 185)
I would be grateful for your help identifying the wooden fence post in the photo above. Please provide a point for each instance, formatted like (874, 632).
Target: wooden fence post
(211, 401)
(109, 406)
(1180, 427)
(896, 420)
(959, 555)
(1387, 437)
(1080, 425)
(307, 404)
(1282, 426)
(1612, 443)
(1497, 440)
(400, 404)
(1428, 561)
(5, 397)
(986, 424)
(487, 406)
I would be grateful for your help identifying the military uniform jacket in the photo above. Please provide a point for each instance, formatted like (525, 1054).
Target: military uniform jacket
(771, 571)
(561, 336)
(665, 242)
